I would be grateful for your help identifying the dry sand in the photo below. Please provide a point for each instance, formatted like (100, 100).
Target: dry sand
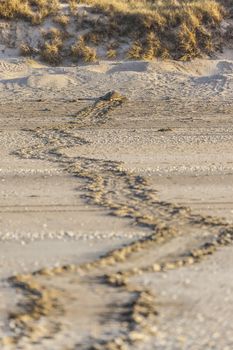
(153, 274)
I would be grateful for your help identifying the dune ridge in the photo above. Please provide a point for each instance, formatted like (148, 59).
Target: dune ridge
(85, 31)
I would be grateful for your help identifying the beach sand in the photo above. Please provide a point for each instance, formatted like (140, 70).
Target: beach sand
(116, 213)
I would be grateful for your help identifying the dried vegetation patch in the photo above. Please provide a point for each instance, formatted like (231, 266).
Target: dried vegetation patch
(34, 11)
(136, 29)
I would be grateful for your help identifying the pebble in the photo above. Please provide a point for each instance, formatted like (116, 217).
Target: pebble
(156, 268)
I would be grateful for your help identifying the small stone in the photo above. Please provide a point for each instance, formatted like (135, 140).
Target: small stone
(179, 263)
(135, 336)
(7, 340)
(169, 266)
(153, 330)
(156, 268)
(45, 272)
(190, 261)
(138, 319)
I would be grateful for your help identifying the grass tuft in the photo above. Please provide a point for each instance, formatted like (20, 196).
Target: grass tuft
(81, 52)
(51, 50)
(139, 29)
(168, 28)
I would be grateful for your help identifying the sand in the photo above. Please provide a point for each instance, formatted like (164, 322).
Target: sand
(105, 205)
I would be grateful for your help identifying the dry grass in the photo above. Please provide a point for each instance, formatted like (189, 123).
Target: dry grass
(162, 28)
(33, 10)
(26, 50)
(145, 29)
(81, 52)
(63, 20)
(51, 51)
(111, 54)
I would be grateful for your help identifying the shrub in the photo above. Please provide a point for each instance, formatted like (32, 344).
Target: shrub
(80, 51)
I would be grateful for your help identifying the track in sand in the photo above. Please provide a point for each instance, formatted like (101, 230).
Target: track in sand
(109, 292)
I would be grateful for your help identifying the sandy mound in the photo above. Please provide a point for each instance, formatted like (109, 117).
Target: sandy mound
(134, 66)
(49, 81)
(135, 79)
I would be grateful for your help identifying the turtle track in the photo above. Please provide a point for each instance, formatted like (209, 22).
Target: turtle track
(123, 194)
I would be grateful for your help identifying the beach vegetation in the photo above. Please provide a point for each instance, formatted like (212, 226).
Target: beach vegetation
(141, 29)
